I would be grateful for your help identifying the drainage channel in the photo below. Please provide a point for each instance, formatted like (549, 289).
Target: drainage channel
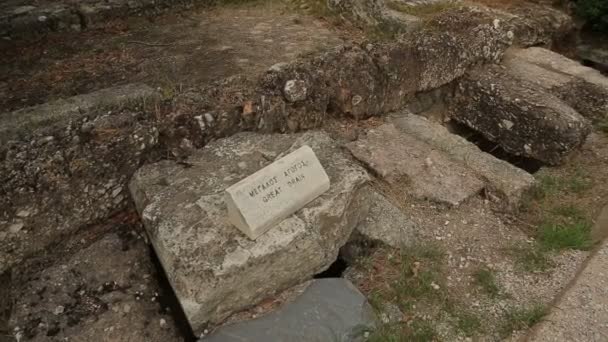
(530, 165)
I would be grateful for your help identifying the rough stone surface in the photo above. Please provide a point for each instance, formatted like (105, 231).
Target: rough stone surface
(213, 268)
(67, 164)
(386, 224)
(554, 61)
(330, 309)
(590, 99)
(105, 292)
(506, 181)
(521, 117)
(581, 313)
(426, 173)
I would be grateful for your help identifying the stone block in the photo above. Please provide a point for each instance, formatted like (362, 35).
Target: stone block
(266, 197)
(213, 268)
(422, 171)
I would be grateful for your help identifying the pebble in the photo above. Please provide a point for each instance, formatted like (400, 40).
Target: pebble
(163, 323)
(16, 227)
(59, 310)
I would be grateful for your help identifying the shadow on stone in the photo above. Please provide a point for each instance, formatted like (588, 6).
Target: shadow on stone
(527, 164)
(169, 303)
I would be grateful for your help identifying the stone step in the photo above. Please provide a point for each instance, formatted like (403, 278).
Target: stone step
(587, 95)
(504, 180)
(521, 117)
(327, 307)
(213, 267)
(425, 172)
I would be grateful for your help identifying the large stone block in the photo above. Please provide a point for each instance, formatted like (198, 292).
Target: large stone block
(504, 180)
(213, 267)
(423, 172)
(521, 117)
(589, 98)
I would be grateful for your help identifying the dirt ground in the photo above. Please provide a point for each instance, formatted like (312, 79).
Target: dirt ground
(170, 51)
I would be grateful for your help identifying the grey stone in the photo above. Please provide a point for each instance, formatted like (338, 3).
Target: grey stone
(295, 90)
(554, 61)
(386, 223)
(594, 54)
(425, 173)
(330, 309)
(214, 268)
(506, 181)
(521, 117)
(29, 119)
(590, 99)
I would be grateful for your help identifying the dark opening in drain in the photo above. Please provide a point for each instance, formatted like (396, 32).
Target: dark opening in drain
(169, 303)
(528, 164)
(335, 270)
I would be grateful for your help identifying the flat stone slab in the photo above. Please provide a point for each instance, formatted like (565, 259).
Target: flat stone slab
(523, 118)
(265, 198)
(425, 172)
(581, 314)
(590, 99)
(386, 223)
(506, 181)
(554, 61)
(330, 309)
(213, 267)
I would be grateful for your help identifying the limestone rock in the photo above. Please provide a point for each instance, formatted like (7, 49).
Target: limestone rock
(554, 61)
(386, 223)
(504, 180)
(403, 160)
(521, 117)
(589, 98)
(329, 309)
(215, 269)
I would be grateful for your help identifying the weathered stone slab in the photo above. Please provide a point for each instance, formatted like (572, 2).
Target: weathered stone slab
(505, 180)
(554, 61)
(387, 223)
(427, 173)
(330, 309)
(521, 117)
(215, 269)
(263, 199)
(587, 98)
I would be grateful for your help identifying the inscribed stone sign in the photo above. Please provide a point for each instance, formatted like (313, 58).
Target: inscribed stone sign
(268, 196)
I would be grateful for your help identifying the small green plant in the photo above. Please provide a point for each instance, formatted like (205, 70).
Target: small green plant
(522, 318)
(595, 12)
(603, 125)
(416, 332)
(570, 212)
(486, 279)
(558, 236)
(531, 258)
(468, 323)
(577, 183)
